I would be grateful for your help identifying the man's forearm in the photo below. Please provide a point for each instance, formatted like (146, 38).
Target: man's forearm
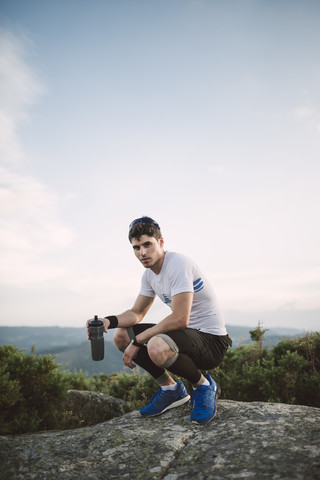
(128, 319)
(169, 323)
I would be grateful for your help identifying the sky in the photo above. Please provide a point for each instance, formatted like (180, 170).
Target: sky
(203, 114)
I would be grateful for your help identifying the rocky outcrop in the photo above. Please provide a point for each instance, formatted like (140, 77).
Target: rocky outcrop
(245, 440)
(89, 408)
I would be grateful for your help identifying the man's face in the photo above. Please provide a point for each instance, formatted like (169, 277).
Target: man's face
(149, 251)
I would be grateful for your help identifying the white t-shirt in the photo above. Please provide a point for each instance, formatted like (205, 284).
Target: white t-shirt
(180, 274)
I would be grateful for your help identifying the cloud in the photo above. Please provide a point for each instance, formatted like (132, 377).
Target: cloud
(303, 112)
(30, 227)
(270, 289)
(216, 168)
(29, 213)
(307, 115)
(19, 88)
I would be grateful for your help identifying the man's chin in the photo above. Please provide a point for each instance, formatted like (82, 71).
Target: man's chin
(146, 264)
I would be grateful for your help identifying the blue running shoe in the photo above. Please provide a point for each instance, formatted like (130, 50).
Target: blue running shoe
(204, 402)
(163, 400)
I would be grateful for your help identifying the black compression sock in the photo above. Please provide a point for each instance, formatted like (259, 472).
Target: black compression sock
(145, 362)
(185, 367)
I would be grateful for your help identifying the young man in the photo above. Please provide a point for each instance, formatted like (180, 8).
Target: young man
(190, 339)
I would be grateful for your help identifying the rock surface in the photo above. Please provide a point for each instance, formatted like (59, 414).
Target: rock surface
(245, 440)
(89, 408)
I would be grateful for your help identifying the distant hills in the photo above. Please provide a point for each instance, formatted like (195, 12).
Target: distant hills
(73, 350)
(44, 338)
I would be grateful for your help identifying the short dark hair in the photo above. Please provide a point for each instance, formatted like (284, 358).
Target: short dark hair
(144, 226)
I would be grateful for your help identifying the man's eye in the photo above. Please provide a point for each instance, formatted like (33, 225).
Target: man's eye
(147, 244)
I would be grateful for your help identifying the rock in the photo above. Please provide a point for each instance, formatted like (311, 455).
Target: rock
(245, 440)
(89, 408)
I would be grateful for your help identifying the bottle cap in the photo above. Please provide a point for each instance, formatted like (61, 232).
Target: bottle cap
(96, 322)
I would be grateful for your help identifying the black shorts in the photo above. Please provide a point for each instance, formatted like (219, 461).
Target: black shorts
(205, 349)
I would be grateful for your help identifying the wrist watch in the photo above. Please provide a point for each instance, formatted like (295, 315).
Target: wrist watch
(135, 343)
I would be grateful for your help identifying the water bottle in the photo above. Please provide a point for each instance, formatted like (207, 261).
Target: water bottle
(96, 329)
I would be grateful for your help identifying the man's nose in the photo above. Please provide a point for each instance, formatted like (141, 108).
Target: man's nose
(142, 251)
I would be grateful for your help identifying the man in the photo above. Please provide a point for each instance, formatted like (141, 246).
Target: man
(190, 339)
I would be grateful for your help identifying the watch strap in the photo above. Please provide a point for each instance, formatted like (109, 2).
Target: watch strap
(135, 343)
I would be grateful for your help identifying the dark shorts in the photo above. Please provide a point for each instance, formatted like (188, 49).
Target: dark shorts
(205, 349)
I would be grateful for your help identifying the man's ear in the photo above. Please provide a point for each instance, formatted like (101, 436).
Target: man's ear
(161, 241)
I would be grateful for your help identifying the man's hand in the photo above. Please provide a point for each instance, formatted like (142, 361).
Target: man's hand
(106, 325)
(129, 354)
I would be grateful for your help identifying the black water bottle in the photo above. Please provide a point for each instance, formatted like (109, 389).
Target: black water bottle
(96, 329)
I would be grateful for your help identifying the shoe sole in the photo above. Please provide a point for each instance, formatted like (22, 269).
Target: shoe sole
(182, 401)
(209, 420)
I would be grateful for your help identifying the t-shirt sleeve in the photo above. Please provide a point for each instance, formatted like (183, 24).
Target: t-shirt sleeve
(180, 274)
(146, 288)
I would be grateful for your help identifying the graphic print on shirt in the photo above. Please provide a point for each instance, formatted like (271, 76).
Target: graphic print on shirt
(166, 299)
(198, 285)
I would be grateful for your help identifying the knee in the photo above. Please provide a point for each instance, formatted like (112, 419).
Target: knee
(158, 350)
(154, 347)
(121, 339)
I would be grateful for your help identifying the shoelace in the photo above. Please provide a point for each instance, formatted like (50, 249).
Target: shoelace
(200, 399)
(158, 394)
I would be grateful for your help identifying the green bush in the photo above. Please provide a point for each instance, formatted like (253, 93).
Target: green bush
(289, 373)
(135, 389)
(33, 389)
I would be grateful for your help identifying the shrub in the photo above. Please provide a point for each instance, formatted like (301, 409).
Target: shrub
(136, 389)
(289, 373)
(32, 391)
